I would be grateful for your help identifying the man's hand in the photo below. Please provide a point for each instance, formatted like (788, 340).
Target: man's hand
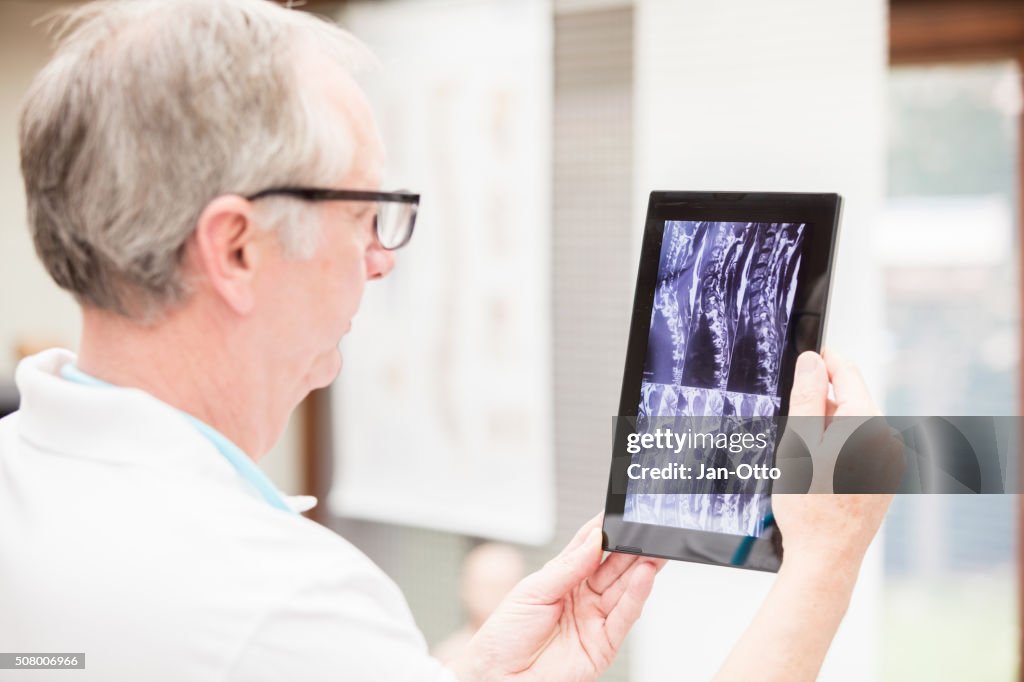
(824, 538)
(567, 620)
(834, 529)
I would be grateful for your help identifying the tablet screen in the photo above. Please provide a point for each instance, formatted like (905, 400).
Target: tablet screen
(731, 288)
(722, 304)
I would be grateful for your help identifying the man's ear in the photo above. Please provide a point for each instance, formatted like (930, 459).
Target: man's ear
(228, 250)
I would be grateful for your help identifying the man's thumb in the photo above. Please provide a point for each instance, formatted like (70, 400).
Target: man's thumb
(810, 386)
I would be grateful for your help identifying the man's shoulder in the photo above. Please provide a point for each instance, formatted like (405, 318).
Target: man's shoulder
(322, 552)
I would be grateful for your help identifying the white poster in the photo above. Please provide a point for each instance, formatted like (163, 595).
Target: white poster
(443, 411)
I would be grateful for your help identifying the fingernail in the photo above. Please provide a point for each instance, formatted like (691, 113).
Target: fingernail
(807, 363)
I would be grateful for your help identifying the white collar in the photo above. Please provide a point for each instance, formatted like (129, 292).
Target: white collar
(123, 426)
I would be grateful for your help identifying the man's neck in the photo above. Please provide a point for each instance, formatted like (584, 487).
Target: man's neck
(176, 363)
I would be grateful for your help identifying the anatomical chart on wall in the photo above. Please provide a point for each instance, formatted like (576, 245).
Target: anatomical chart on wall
(722, 307)
(443, 412)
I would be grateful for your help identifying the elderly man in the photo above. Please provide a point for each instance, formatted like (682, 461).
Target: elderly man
(203, 176)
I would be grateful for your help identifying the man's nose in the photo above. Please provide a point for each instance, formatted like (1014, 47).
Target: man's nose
(379, 261)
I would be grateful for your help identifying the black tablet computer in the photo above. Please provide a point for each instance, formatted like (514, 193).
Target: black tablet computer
(732, 287)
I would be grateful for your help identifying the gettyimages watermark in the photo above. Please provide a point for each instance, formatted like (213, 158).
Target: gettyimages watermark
(766, 455)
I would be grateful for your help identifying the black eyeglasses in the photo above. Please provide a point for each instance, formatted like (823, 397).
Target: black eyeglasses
(396, 211)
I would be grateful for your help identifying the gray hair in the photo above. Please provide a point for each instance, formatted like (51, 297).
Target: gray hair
(150, 109)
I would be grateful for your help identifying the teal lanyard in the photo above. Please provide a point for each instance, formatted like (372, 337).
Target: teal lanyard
(245, 467)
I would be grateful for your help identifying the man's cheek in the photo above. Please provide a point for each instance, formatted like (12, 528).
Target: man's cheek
(352, 294)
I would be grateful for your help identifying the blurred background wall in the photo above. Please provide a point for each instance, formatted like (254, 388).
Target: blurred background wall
(918, 128)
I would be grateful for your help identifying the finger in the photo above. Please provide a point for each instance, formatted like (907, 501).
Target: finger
(810, 386)
(847, 382)
(609, 571)
(563, 573)
(584, 531)
(830, 408)
(613, 593)
(809, 397)
(621, 618)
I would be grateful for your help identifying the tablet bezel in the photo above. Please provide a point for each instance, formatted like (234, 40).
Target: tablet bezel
(821, 213)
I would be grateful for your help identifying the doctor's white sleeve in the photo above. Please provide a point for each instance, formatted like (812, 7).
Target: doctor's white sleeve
(343, 630)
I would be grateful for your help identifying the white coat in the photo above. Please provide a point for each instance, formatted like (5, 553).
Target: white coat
(124, 534)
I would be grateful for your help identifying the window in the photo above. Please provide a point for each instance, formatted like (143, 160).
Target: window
(949, 251)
